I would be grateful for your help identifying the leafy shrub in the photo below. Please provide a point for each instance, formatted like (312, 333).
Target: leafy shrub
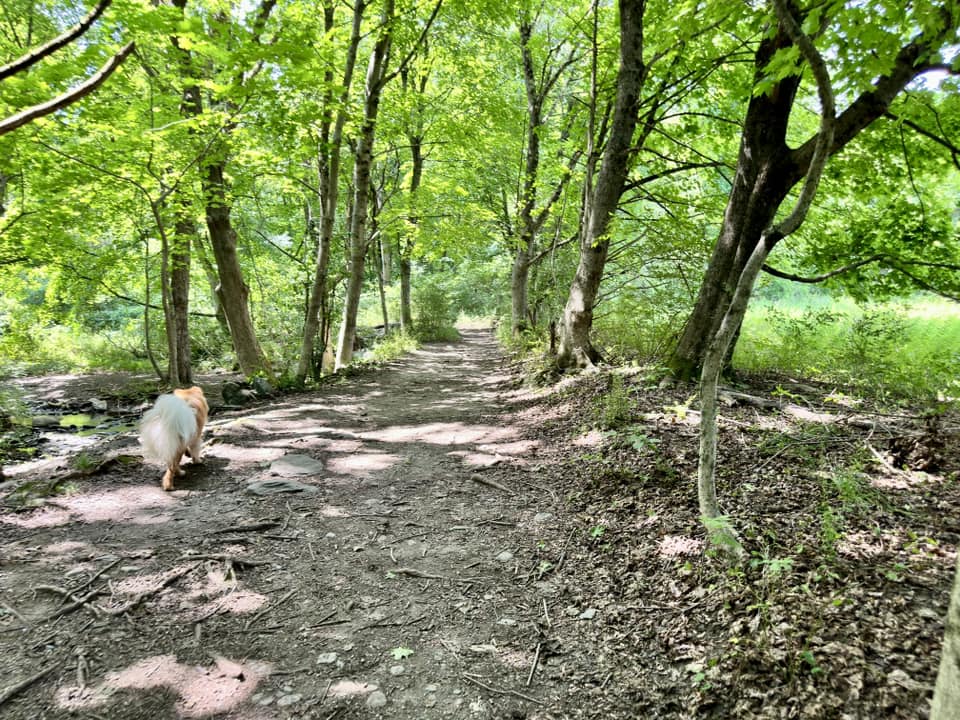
(435, 313)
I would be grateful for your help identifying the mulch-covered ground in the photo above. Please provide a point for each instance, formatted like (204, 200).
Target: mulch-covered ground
(436, 539)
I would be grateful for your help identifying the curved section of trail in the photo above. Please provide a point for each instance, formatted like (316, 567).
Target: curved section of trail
(367, 550)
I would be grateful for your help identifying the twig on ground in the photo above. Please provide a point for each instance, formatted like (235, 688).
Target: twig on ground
(413, 572)
(475, 681)
(96, 575)
(249, 527)
(9, 692)
(78, 602)
(492, 483)
(406, 537)
(272, 606)
(533, 667)
(232, 559)
(17, 615)
(140, 597)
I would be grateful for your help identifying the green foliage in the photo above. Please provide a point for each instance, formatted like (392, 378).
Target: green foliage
(614, 408)
(898, 348)
(393, 346)
(435, 314)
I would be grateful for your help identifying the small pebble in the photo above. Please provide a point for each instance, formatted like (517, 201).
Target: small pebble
(327, 658)
(397, 670)
(505, 557)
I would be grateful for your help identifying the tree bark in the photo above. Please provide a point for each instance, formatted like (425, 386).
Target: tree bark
(538, 86)
(406, 312)
(361, 187)
(328, 161)
(767, 169)
(946, 695)
(232, 291)
(576, 348)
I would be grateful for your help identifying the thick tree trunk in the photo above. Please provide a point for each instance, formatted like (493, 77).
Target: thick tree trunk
(232, 290)
(576, 349)
(767, 169)
(946, 695)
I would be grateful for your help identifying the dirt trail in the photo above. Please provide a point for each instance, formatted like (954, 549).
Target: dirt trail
(401, 580)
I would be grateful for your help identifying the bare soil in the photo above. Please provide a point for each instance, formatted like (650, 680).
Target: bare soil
(438, 541)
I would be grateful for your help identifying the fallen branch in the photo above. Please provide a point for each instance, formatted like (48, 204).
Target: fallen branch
(471, 678)
(492, 483)
(25, 683)
(140, 597)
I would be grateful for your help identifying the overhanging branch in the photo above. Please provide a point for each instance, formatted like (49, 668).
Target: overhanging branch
(69, 97)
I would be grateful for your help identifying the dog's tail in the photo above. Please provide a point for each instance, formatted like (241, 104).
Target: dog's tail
(166, 429)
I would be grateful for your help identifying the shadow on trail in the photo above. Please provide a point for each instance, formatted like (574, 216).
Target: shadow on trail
(387, 579)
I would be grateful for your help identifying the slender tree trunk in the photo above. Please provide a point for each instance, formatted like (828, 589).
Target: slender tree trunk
(721, 532)
(576, 349)
(361, 187)
(406, 312)
(181, 372)
(383, 292)
(946, 695)
(329, 176)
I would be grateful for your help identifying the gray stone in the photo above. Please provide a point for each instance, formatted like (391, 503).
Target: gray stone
(376, 699)
(542, 517)
(275, 487)
(505, 557)
(397, 669)
(327, 658)
(288, 700)
(295, 466)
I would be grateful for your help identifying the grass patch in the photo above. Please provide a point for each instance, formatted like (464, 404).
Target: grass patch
(904, 348)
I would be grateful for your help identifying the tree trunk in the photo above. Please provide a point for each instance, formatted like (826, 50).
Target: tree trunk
(232, 290)
(361, 187)
(406, 313)
(576, 349)
(767, 169)
(946, 695)
(329, 177)
(181, 373)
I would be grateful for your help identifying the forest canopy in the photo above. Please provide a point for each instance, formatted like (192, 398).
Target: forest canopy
(257, 183)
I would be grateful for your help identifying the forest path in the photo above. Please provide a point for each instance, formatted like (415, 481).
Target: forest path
(367, 550)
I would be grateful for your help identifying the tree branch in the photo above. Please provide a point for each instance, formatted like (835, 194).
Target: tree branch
(825, 276)
(954, 150)
(36, 55)
(69, 97)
